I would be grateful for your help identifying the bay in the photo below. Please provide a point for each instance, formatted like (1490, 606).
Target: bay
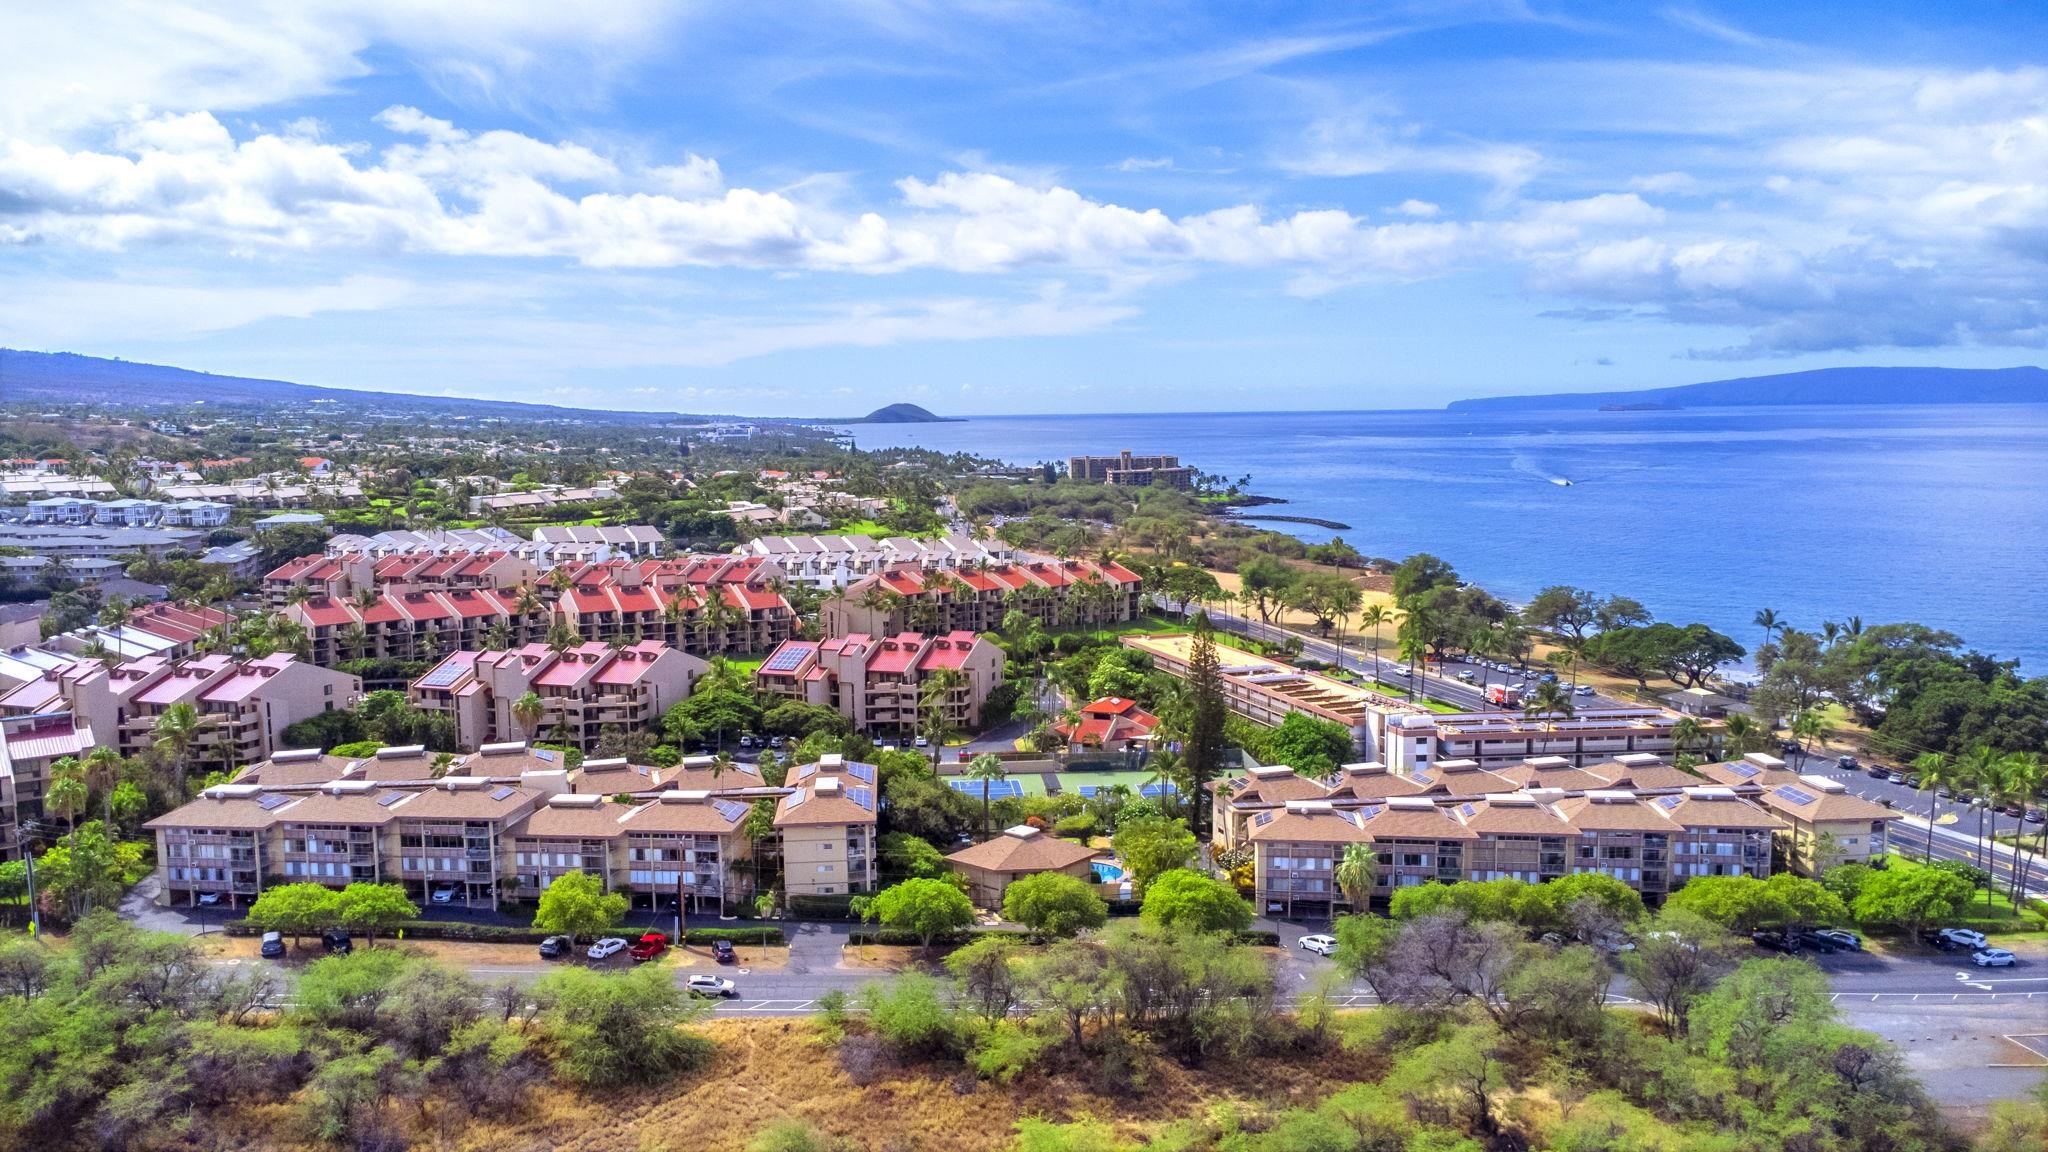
(1937, 514)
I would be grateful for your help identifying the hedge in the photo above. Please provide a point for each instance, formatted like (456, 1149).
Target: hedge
(512, 934)
(808, 907)
(900, 938)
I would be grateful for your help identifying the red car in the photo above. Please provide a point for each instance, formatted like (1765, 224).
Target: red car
(649, 946)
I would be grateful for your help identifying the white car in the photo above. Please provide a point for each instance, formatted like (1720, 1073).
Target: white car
(1466, 675)
(443, 895)
(1319, 944)
(711, 986)
(1961, 938)
(923, 743)
(606, 948)
(1585, 689)
(1993, 958)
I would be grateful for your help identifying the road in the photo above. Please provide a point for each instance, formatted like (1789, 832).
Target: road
(1957, 841)
(1356, 655)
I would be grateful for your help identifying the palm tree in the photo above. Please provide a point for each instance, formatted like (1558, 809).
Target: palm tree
(354, 639)
(1979, 769)
(935, 701)
(1809, 726)
(177, 729)
(1829, 633)
(102, 773)
(1356, 874)
(1687, 735)
(67, 794)
(987, 768)
(1934, 770)
(1549, 702)
(1742, 733)
(2024, 774)
(1767, 619)
(527, 711)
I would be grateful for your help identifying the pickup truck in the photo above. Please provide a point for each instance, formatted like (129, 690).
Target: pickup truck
(649, 946)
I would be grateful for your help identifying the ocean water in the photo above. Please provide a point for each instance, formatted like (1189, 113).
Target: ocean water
(1934, 514)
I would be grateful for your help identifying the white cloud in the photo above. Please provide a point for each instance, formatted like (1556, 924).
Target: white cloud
(1418, 209)
(1145, 164)
(1353, 144)
(69, 68)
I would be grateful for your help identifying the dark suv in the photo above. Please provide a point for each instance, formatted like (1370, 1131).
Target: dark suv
(721, 951)
(336, 942)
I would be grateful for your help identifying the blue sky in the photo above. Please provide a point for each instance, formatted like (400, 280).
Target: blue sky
(807, 208)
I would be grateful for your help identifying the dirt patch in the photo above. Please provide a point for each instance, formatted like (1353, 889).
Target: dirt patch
(887, 958)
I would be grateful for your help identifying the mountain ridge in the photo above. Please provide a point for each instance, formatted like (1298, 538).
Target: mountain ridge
(1888, 386)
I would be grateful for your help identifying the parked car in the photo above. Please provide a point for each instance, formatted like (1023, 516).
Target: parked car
(606, 948)
(746, 741)
(1819, 942)
(1993, 958)
(648, 947)
(1848, 762)
(921, 742)
(272, 947)
(775, 741)
(556, 947)
(1948, 939)
(710, 986)
(1913, 782)
(207, 899)
(1845, 940)
(336, 942)
(1775, 941)
(1896, 778)
(1877, 772)
(1466, 676)
(444, 894)
(2034, 816)
(2014, 810)
(1319, 944)
(722, 951)
(1585, 690)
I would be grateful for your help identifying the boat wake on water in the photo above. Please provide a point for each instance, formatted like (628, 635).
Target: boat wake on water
(1529, 467)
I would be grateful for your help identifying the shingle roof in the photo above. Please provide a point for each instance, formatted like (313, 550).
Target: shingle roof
(1023, 849)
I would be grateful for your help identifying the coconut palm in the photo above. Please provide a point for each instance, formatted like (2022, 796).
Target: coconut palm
(2025, 772)
(527, 711)
(1979, 770)
(1687, 735)
(1768, 620)
(987, 768)
(1934, 770)
(935, 703)
(102, 773)
(1809, 727)
(1549, 702)
(177, 729)
(1356, 874)
(354, 639)
(66, 794)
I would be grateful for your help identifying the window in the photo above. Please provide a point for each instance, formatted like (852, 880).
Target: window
(823, 868)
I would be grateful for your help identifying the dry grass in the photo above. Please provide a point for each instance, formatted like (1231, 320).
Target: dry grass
(774, 1068)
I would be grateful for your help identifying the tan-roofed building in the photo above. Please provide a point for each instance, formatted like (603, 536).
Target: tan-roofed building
(340, 834)
(828, 828)
(1547, 772)
(613, 775)
(1719, 834)
(688, 845)
(567, 833)
(1460, 778)
(993, 865)
(1232, 801)
(449, 840)
(1295, 851)
(1372, 782)
(297, 766)
(1643, 772)
(217, 847)
(1824, 824)
(1520, 837)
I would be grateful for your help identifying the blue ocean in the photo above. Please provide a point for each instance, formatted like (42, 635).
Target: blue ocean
(1934, 514)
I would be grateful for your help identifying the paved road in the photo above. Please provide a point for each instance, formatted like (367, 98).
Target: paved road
(1356, 655)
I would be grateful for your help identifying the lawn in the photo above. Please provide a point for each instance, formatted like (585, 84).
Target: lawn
(1998, 917)
(863, 528)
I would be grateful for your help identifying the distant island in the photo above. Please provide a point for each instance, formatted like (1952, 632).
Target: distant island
(899, 414)
(2026, 385)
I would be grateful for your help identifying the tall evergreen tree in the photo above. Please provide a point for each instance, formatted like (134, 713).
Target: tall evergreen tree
(1202, 754)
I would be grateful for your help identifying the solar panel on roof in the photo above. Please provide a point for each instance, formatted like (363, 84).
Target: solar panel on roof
(862, 772)
(865, 797)
(1468, 809)
(444, 675)
(785, 660)
(1670, 802)
(1262, 819)
(1744, 770)
(1794, 795)
(796, 798)
(272, 802)
(730, 809)
(389, 798)
(501, 793)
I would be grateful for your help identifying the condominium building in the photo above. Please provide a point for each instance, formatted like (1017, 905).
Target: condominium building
(503, 823)
(1127, 468)
(584, 691)
(1823, 824)
(827, 825)
(836, 561)
(1268, 691)
(1501, 739)
(880, 684)
(28, 746)
(1056, 593)
(244, 705)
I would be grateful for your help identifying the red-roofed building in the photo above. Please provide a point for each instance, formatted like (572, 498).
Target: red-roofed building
(976, 599)
(1111, 724)
(584, 691)
(879, 684)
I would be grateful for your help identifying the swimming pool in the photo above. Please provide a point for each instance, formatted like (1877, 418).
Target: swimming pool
(1105, 872)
